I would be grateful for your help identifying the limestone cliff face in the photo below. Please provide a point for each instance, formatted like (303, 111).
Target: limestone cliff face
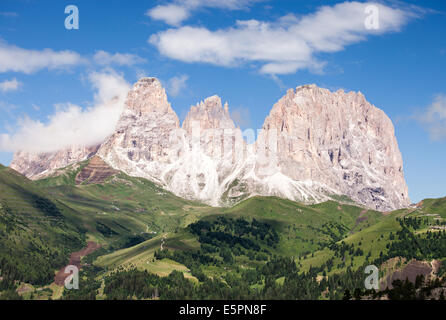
(208, 114)
(314, 145)
(191, 161)
(141, 144)
(37, 166)
(210, 155)
(331, 142)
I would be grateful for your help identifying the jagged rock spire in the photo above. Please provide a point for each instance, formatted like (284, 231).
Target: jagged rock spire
(314, 144)
(209, 114)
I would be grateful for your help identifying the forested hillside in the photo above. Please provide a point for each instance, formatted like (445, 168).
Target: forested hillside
(154, 245)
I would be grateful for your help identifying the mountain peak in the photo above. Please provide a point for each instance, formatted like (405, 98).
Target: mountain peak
(209, 114)
(315, 143)
(148, 95)
(210, 104)
(214, 100)
(307, 87)
(147, 81)
(340, 140)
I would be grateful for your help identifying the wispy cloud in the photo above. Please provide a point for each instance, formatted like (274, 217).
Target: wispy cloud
(71, 124)
(10, 85)
(5, 106)
(176, 12)
(13, 58)
(176, 84)
(9, 14)
(433, 118)
(28, 61)
(122, 59)
(8, 109)
(284, 45)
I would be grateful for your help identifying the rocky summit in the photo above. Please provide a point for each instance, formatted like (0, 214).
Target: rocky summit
(315, 145)
(142, 142)
(332, 142)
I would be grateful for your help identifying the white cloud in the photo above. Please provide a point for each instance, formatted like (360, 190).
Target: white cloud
(282, 46)
(434, 118)
(170, 14)
(10, 85)
(71, 124)
(123, 59)
(176, 84)
(13, 58)
(176, 12)
(221, 4)
(7, 108)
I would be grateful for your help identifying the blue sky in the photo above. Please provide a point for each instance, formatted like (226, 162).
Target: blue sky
(400, 68)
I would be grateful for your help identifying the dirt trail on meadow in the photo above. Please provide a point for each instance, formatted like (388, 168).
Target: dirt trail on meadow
(163, 240)
(361, 217)
(75, 259)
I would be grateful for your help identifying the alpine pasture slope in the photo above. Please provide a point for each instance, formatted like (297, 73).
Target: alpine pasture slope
(146, 231)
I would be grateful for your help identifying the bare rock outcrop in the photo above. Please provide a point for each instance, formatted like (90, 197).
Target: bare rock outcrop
(210, 154)
(142, 142)
(314, 145)
(96, 171)
(41, 165)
